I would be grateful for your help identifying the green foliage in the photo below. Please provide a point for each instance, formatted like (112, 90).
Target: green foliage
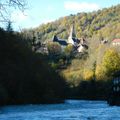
(104, 23)
(111, 62)
(68, 50)
(54, 48)
(25, 76)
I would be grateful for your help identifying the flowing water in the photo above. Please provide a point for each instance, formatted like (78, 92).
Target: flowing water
(70, 110)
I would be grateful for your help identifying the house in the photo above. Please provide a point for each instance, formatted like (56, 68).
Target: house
(82, 48)
(42, 49)
(116, 42)
(104, 41)
(114, 97)
(79, 44)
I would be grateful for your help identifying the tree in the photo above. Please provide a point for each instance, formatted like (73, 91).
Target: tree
(111, 61)
(7, 6)
(9, 27)
(68, 50)
(25, 76)
(54, 48)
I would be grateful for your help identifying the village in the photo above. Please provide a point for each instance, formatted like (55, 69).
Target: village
(79, 44)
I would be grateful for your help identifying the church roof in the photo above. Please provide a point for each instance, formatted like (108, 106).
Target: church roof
(62, 42)
(85, 46)
(76, 40)
(116, 40)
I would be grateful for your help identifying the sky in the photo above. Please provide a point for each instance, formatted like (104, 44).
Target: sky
(43, 11)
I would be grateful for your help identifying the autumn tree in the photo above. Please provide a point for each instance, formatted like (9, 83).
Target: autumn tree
(54, 48)
(111, 61)
(68, 50)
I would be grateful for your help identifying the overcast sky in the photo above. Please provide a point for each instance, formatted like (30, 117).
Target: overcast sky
(43, 11)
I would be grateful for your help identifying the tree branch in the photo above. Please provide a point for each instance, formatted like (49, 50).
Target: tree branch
(7, 6)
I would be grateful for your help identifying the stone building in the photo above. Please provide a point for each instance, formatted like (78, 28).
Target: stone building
(116, 42)
(79, 44)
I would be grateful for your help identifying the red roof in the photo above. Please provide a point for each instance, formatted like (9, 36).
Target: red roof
(116, 40)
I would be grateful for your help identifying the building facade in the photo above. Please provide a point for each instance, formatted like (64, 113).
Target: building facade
(79, 44)
(116, 42)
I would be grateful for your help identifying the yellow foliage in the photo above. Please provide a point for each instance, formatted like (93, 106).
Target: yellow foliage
(111, 61)
(72, 77)
(68, 50)
(88, 74)
(99, 72)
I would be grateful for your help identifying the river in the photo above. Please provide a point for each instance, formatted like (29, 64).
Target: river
(70, 110)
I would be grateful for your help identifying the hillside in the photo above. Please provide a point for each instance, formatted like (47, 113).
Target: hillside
(104, 23)
(93, 71)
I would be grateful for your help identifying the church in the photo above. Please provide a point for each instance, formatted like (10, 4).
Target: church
(79, 44)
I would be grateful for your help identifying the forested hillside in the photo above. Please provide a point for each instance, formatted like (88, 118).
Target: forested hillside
(92, 71)
(104, 23)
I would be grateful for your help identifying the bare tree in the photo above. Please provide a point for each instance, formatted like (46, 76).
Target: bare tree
(7, 6)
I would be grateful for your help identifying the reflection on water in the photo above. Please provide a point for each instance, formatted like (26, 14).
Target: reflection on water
(70, 110)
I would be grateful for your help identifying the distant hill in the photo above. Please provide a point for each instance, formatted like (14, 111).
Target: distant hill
(105, 24)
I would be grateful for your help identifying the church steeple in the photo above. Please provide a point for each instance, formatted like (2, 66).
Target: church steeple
(72, 32)
(71, 35)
